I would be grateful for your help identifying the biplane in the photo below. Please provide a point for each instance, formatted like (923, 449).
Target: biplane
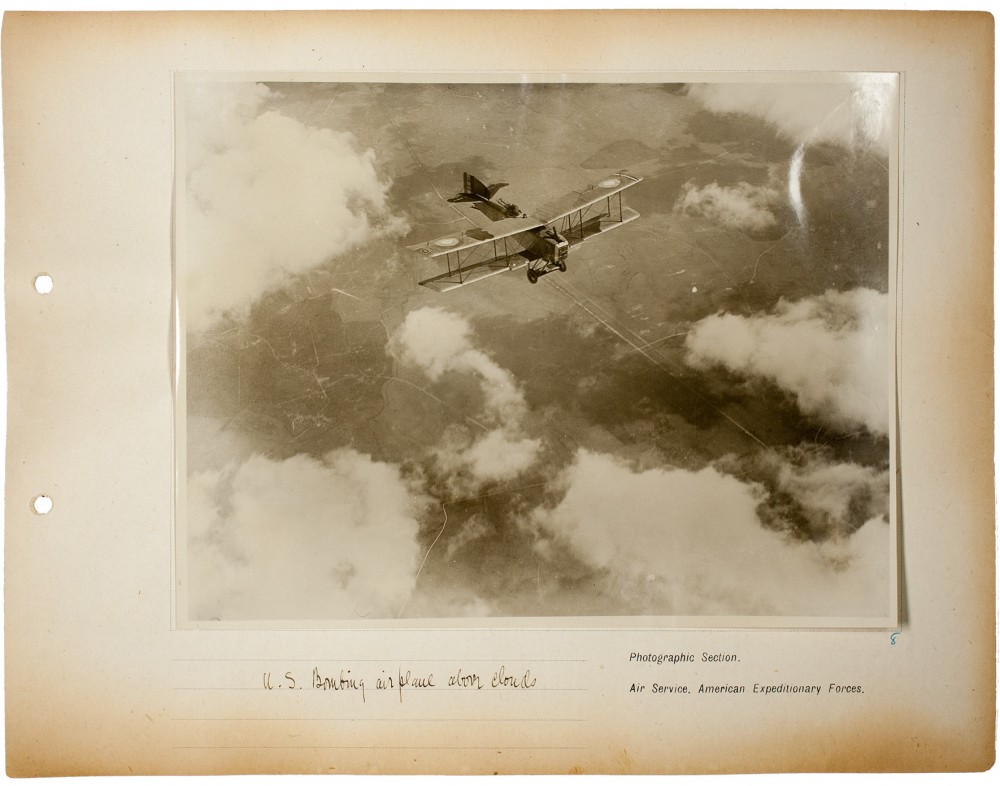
(515, 240)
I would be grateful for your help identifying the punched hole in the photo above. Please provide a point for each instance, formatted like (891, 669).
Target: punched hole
(41, 504)
(43, 284)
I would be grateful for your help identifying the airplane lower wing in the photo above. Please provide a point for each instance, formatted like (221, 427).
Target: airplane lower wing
(462, 241)
(477, 254)
(591, 221)
(593, 211)
(470, 275)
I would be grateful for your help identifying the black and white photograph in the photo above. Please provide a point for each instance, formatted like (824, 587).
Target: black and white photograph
(571, 350)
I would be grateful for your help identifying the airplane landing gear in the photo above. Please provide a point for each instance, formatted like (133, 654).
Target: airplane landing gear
(535, 273)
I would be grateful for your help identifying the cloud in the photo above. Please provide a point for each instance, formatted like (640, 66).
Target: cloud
(469, 463)
(673, 541)
(438, 341)
(474, 528)
(302, 538)
(267, 197)
(811, 495)
(829, 352)
(743, 206)
(856, 112)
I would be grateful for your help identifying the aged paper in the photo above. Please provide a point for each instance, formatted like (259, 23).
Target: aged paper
(308, 515)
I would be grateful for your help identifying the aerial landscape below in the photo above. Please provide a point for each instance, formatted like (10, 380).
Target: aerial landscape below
(691, 420)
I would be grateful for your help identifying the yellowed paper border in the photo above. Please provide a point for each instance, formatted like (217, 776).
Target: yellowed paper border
(98, 682)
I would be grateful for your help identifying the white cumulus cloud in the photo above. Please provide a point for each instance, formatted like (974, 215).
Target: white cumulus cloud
(743, 206)
(679, 542)
(438, 341)
(302, 538)
(829, 352)
(810, 493)
(267, 197)
(835, 497)
(498, 455)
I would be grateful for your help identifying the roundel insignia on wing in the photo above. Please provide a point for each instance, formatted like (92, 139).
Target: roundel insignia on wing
(610, 182)
(446, 242)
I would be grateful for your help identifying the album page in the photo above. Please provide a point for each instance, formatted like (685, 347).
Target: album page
(499, 392)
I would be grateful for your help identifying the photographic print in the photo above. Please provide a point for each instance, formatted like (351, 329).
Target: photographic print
(455, 350)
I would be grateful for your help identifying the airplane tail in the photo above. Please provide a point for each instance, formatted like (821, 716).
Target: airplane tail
(473, 186)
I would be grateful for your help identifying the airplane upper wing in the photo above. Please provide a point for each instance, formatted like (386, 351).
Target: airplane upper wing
(580, 200)
(462, 241)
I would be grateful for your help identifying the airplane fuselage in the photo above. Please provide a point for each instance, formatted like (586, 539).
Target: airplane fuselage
(494, 210)
(550, 245)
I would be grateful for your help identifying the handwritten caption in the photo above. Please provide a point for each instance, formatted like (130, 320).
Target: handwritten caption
(400, 680)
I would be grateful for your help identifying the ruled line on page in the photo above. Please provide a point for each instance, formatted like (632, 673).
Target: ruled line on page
(431, 690)
(380, 660)
(390, 720)
(386, 747)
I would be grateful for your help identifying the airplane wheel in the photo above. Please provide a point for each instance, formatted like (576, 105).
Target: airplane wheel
(562, 265)
(532, 276)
